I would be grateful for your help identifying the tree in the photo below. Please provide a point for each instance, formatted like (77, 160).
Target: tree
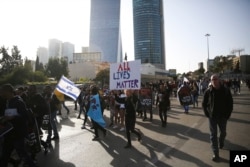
(9, 63)
(200, 71)
(56, 68)
(221, 64)
(39, 66)
(103, 76)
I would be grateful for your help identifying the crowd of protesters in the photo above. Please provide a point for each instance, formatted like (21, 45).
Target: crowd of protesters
(25, 111)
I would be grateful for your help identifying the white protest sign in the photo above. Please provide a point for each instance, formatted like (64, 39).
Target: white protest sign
(125, 75)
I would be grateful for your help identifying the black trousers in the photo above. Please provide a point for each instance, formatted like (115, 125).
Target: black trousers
(163, 114)
(130, 128)
(96, 127)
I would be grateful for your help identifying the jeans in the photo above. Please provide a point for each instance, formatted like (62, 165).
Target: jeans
(195, 99)
(221, 123)
(53, 125)
(186, 108)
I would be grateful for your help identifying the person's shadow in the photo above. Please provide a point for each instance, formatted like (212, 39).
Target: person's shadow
(52, 159)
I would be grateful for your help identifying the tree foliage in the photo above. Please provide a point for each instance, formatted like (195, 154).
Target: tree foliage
(56, 68)
(103, 76)
(9, 62)
(39, 66)
(221, 64)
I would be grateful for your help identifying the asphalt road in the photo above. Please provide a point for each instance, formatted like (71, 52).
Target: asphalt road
(184, 142)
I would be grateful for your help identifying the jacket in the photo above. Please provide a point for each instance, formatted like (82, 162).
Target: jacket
(217, 103)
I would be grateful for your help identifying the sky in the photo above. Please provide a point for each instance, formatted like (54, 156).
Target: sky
(31, 23)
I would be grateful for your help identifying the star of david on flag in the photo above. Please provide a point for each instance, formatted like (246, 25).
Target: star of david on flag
(95, 112)
(68, 88)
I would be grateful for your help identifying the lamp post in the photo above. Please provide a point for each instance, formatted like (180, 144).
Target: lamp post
(208, 63)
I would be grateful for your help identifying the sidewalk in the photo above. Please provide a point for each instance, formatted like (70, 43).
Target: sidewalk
(184, 142)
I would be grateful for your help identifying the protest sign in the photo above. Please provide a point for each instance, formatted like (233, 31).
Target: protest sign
(125, 75)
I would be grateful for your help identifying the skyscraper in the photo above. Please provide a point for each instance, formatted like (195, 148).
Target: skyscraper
(55, 48)
(149, 32)
(43, 55)
(68, 50)
(105, 35)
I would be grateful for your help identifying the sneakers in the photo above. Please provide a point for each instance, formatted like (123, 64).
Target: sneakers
(216, 158)
(122, 129)
(83, 127)
(115, 126)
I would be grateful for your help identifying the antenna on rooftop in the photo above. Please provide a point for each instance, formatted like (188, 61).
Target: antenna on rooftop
(237, 51)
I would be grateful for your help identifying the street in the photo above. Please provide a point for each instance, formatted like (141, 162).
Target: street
(184, 142)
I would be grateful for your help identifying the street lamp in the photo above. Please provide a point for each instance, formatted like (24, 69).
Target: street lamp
(208, 63)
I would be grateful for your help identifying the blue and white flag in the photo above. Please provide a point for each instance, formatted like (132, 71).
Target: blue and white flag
(68, 88)
(95, 112)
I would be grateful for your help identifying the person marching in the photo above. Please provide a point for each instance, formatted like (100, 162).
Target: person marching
(217, 105)
(130, 117)
(53, 103)
(15, 112)
(163, 103)
(94, 91)
(184, 95)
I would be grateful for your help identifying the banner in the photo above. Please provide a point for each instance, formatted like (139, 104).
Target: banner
(184, 95)
(125, 75)
(68, 88)
(146, 97)
(95, 112)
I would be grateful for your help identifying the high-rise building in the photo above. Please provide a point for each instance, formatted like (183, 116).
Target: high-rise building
(43, 55)
(55, 48)
(68, 50)
(105, 35)
(149, 32)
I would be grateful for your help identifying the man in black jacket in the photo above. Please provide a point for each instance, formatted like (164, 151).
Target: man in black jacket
(218, 106)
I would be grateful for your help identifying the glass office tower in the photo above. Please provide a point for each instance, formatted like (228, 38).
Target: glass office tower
(149, 32)
(105, 35)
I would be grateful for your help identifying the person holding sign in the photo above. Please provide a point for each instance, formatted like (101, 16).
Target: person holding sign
(130, 117)
(185, 97)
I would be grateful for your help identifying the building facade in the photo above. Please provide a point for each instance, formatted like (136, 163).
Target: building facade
(149, 32)
(55, 48)
(68, 50)
(245, 64)
(87, 57)
(43, 55)
(105, 35)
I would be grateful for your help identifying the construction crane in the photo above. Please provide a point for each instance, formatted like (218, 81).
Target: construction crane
(237, 51)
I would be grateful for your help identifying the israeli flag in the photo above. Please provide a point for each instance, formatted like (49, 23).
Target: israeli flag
(95, 112)
(68, 88)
